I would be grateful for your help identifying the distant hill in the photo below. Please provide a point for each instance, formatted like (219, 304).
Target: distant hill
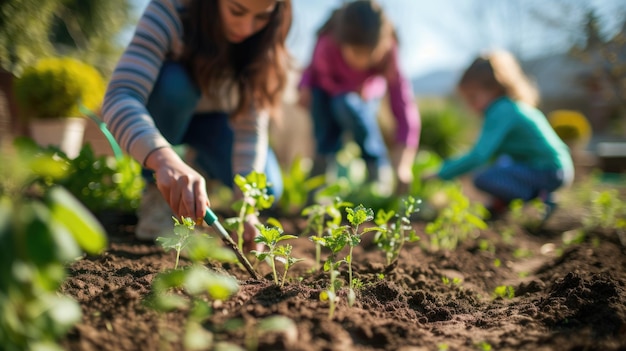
(558, 76)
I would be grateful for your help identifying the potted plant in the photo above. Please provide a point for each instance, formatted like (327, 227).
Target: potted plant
(49, 93)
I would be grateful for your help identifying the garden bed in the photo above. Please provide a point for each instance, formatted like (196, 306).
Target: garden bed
(566, 297)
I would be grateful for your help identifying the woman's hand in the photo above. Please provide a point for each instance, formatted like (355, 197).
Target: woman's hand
(183, 188)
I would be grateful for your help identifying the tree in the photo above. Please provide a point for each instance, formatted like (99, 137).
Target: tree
(85, 29)
(608, 57)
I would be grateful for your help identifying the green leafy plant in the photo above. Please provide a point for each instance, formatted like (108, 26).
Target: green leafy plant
(255, 198)
(394, 234)
(606, 211)
(504, 291)
(53, 88)
(270, 237)
(458, 221)
(356, 217)
(336, 239)
(297, 184)
(41, 230)
(528, 214)
(101, 183)
(182, 235)
(190, 288)
(322, 216)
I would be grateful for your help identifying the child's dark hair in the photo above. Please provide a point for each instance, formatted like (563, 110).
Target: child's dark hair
(359, 23)
(499, 71)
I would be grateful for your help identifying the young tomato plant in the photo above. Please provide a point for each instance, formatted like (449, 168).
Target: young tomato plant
(254, 199)
(394, 234)
(456, 222)
(180, 238)
(322, 216)
(270, 237)
(337, 239)
(191, 288)
(356, 217)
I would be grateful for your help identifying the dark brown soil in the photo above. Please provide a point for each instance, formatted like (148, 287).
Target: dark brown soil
(566, 297)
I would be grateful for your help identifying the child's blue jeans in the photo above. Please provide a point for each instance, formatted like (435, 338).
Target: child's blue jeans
(507, 180)
(335, 116)
(172, 105)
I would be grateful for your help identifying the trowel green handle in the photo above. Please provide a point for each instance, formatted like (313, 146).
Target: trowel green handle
(210, 217)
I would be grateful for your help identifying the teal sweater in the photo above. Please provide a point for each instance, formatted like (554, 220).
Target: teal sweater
(519, 131)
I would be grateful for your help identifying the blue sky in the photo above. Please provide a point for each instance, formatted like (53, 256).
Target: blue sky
(447, 34)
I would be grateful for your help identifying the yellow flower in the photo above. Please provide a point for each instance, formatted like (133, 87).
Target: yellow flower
(571, 126)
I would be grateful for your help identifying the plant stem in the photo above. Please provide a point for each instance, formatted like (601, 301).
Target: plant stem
(274, 269)
(240, 227)
(350, 267)
(177, 257)
(318, 254)
(282, 283)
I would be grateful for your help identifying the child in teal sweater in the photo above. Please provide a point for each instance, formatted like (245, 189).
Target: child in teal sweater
(530, 160)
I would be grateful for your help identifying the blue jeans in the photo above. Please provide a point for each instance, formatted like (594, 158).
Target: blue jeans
(172, 105)
(335, 116)
(507, 180)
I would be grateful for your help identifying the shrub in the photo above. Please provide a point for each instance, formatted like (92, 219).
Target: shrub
(54, 87)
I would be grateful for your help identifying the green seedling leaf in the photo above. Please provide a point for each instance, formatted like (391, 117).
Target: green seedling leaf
(204, 247)
(198, 279)
(359, 215)
(276, 324)
(87, 231)
(167, 302)
(197, 337)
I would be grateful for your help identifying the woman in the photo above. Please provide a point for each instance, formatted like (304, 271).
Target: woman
(206, 73)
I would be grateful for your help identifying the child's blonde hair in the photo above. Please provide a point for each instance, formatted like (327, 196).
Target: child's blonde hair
(501, 72)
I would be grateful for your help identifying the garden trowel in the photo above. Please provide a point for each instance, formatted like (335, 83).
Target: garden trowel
(211, 219)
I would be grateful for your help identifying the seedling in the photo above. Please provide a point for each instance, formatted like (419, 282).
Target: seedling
(606, 211)
(298, 185)
(255, 198)
(457, 222)
(270, 237)
(340, 237)
(283, 254)
(504, 291)
(189, 288)
(180, 238)
(529, 214)
(317, 216)
(335, 241)
(394, 234)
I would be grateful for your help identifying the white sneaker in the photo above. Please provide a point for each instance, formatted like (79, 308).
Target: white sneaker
(154, 215)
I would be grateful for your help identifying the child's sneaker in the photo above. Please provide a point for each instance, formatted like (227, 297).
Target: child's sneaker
(154, 215)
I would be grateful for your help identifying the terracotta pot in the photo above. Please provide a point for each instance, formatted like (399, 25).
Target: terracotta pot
(65, 133)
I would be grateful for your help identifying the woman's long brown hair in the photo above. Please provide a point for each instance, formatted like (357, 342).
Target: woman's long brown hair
(257, 66)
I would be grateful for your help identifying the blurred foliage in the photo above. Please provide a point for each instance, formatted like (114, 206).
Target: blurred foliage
(41, 229)
(31, 29)
(608, 58)
(445, 126)
(54, 87)
(99, 182)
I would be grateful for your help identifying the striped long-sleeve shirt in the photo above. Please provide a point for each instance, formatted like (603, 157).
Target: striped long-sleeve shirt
(159, 37)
